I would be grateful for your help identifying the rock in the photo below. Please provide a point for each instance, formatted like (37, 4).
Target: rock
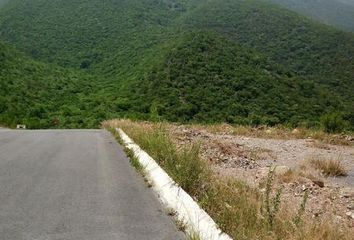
(350, 215)
(338, 219)
(268, 131)
(318, 183)
(295, 131)
(281, 170)
(347, 192)
(349, 138)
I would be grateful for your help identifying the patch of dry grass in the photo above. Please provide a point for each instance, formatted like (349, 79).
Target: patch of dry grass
(329, 167)
(240, 210)
(278, 132)
(290, 176)
(225, 147)
(261, 154)
(320, 145)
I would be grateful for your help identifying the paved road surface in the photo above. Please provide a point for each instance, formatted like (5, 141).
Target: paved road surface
(74, 185)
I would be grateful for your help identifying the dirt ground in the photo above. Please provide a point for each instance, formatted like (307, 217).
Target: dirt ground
(250, 158)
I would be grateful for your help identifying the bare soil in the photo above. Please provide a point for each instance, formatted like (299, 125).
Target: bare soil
(250, 158)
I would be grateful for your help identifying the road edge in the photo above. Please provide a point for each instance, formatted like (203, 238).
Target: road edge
(173, 197)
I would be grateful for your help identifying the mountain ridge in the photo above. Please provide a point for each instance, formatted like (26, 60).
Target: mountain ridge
(121, 50)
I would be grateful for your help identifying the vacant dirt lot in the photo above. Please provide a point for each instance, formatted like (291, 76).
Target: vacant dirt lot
(250, 158)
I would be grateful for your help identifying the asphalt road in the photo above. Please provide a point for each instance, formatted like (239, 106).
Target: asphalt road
(74, 185)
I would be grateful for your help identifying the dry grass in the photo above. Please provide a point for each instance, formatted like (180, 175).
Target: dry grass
(320, 145)
(278, 132)
(261, 154)
(290, 176)
(225, 148)
(301, 176)
(239, 210)
(329, 167)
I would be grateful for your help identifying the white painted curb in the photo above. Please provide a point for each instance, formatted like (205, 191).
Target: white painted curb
(174, 197)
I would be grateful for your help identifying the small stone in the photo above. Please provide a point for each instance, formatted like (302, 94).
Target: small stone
(347, 192)
(349, 138)
(281, 170)
(350, 215)
(318, 183)
(338, 219)
(295, 131)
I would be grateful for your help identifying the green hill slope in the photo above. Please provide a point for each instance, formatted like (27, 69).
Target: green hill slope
(216, 60)
(301, 46)
(42, 96)
(209, 78)
(87, 33)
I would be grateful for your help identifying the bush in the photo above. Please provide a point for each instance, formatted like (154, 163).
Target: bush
(330, 167)
(333, 122)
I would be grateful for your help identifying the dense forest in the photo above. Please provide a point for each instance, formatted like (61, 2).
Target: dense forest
(338, 13)
(42, 95)
(246, 62)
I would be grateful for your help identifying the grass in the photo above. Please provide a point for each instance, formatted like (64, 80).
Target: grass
(261, 154)
(239, 210)
(130, 154)
(329, 167)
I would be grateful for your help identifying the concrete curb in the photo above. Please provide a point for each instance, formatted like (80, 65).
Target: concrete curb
(174, 197)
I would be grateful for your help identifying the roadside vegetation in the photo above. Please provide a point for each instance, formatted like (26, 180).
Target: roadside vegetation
(242, 211)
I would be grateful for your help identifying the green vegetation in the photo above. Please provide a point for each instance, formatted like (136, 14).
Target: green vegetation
(242, 62)
(45, 95)
(206, 77)
(239, 210)
(333, 122)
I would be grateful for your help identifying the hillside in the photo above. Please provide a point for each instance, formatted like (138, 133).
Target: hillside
(42, 96)
(206, 77)
(338, 13)
(106, 36)
(206, 61)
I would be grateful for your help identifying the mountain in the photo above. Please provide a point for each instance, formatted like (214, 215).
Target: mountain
(42, 95)
(207, 77)
(248, 62)
(338, 13)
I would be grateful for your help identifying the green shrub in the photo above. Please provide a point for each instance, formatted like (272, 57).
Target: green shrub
(333, 122)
